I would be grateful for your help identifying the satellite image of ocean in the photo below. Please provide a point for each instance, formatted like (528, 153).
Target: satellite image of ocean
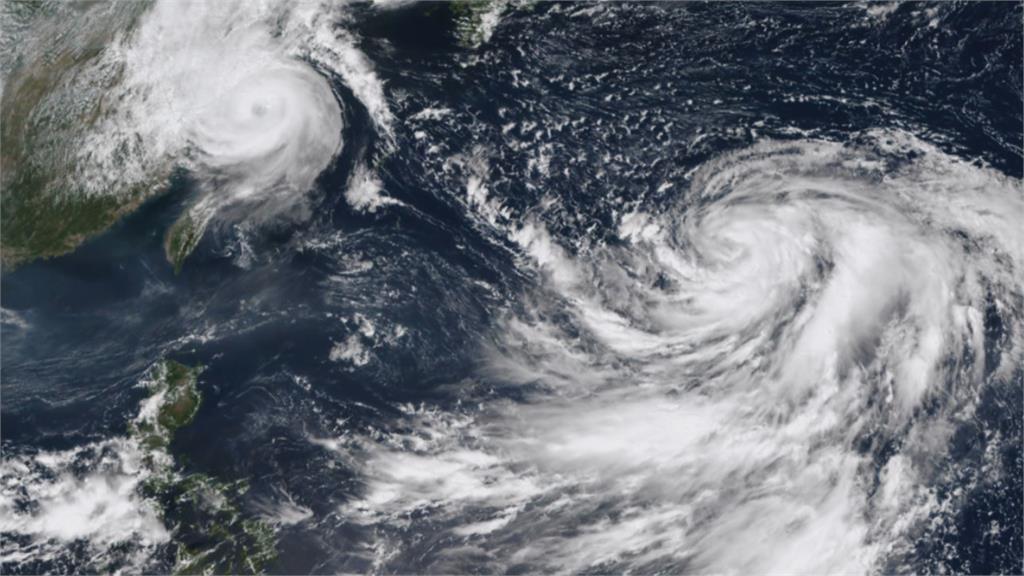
(511, 287)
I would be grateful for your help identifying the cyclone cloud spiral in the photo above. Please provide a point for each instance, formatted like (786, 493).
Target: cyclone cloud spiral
(215, 89)
(740, 371)
(275, 130)
(493, 287)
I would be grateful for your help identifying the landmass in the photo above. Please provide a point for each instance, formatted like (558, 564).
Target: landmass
(53, 95)
(181, 240)
(475, 20)
(57, 93)
(212, 532)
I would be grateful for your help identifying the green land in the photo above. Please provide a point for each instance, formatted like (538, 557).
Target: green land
(212, 534)
(50, 101)
(53, 98)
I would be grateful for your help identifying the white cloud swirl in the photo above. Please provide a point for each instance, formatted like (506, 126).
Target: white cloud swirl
(238, 92)
(707, 411)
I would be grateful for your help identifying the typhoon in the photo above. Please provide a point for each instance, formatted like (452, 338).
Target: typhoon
(500, 287)
(752, 357)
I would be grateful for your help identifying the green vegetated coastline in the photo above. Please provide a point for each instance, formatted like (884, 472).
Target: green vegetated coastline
(55, 96)
(212, 534)
(54, 93)
(57, 90)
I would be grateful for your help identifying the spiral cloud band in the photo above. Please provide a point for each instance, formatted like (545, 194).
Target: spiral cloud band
(275, 130)
(758, 379)
(237, 92)
(511, 288)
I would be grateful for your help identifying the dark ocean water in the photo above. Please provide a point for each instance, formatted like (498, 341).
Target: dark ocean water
(571, 115)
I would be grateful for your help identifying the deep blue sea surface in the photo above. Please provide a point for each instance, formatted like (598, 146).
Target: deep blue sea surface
(558, 345)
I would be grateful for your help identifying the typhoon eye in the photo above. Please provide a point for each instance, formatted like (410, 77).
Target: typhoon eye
(511, 287)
